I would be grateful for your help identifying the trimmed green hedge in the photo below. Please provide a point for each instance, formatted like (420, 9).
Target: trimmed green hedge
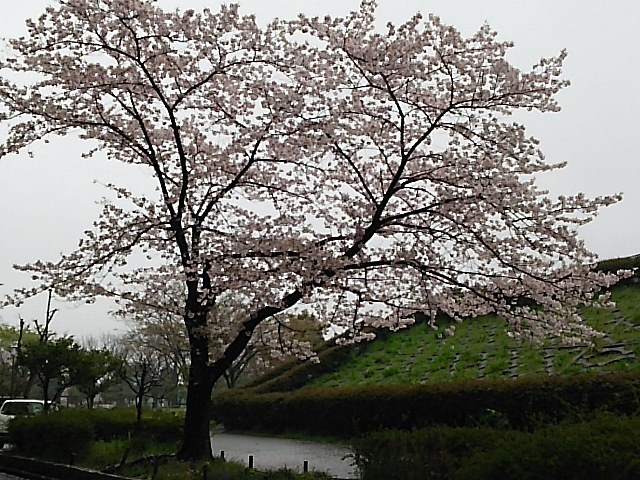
(604, 447)
(348, 412)
(71, 431)
(120, 423)
(109, 425)
(56, 436)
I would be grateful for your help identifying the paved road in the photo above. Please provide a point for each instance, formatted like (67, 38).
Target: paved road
(275, 453)
(6, 476)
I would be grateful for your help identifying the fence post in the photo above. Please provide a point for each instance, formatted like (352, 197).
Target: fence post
(305, 466)
(251, 461)
(156, 466)
(124, 456)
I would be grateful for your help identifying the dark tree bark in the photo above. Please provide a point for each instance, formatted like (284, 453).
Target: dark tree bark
(196, 442)
(203, 375)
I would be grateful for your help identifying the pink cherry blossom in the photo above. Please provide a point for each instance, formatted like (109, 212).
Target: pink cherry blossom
(366, 174)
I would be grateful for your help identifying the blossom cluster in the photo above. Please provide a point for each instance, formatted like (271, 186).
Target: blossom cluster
(370, 175)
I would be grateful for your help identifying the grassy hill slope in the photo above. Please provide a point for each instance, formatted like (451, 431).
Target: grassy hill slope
(482, 348)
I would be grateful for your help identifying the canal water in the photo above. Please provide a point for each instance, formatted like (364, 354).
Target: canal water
(275, 453)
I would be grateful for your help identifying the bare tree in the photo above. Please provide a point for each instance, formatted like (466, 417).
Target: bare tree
(142, 369)
(14, 379)
(157, 324)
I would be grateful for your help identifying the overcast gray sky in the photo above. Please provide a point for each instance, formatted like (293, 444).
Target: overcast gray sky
(46, 202)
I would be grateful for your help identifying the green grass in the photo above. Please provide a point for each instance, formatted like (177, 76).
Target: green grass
(140, 464)
(216, 469)
(105, 454)
(421, 355)
(102, 454)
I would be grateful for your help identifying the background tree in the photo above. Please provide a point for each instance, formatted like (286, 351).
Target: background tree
(371, 174)
(117, 346)
(8, 339)
(96, 372)
(23, 378)
(14, 379)
(295, 333)
(142, 369)
(157, 324)
(54, 362)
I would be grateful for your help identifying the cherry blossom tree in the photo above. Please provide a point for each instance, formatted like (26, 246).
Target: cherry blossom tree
(367, 174)
(156, 323)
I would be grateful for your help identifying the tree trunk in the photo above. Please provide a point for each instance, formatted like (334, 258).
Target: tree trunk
(45, 395)
(196, 443)
(139, 400)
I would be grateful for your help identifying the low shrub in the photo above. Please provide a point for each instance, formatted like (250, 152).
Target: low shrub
(55, 437)
(117, 423)
(163, 426)
(103, 454)
(604, 447)
(434, 453)
(40, 436)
